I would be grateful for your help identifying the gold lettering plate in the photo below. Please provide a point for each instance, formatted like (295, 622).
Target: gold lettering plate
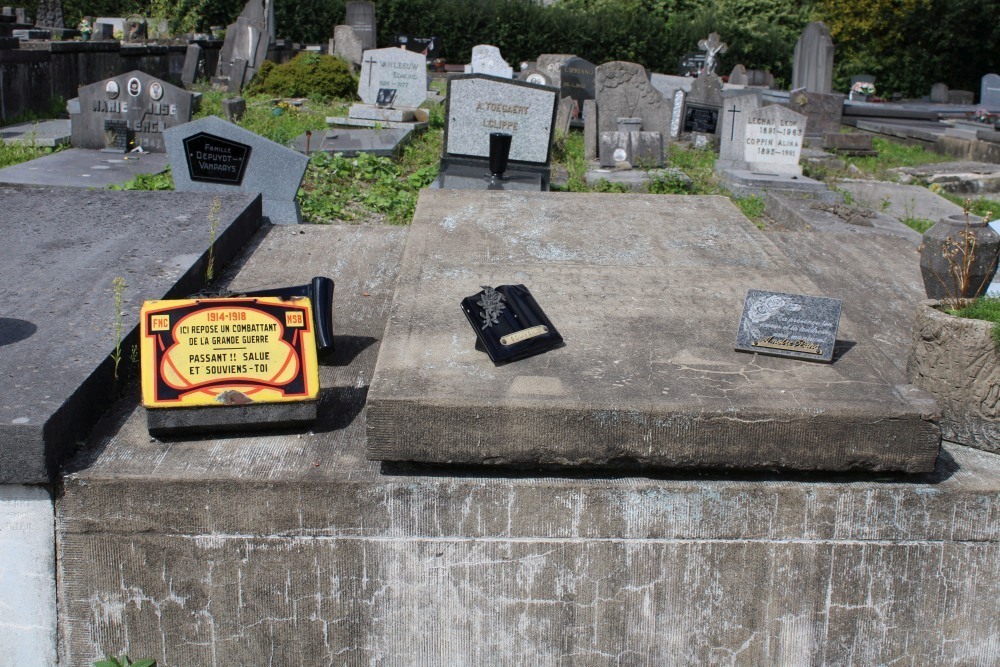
(214, 352)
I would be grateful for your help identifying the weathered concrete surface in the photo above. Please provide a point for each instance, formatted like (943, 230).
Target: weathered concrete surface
(27, 567)
(46, 133)
(647, 291)
(900, 200)
(82, 168)
(800, 214)
(62, 249)
(955, 360)
(295, 549)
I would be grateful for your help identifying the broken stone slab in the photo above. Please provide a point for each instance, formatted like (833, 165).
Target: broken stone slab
(648, 376)
(798, 213)
(899, 200)
(956, 177)
(744, 183)
(56, 342)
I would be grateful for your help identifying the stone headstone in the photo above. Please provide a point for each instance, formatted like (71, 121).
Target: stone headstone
(192, 58)
(590, 132)
(479, 105)
(677, 114)
(361, 17)
(759, 78)
(212, 155)
(22, 16)
(631, 149)
(702, 105)
(824, 112)
(147, 105)
(989, 91)
(234, 108)
(576, 80)
(347, 44)
(486, 59)
(966, 97)
(564, 114)
(738, 77)
(773, 140)
(103, 31)
(624, 91)
(732, 136)
(813, 65)
(247, 39)
(394, 69)
(551, 65)
(533, 75)
(939, 93)
(691, 64)
(50, 14)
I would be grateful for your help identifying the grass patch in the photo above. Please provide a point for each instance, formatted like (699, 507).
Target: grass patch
(699, 165)
(891, 155)
(918, 224)
(16, 152)
(753, 208)
(978, 208)
(161, 181)
(984, 308)
(568, 151)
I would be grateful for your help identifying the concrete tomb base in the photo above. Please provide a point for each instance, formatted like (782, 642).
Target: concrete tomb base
(387, 142)
(84, 168)
(228, 551)
(743, 183)
(647, 292)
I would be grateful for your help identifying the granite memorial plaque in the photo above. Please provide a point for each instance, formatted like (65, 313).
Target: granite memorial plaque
(486, 59)
(479, 105)
(624, 91)
(145, 104)
(774, 138)
(691, 64)
(429, 47)
(577, 80)
(398, 69)
(264, 166)
(212, 159)
(701, 119)
(509, 323)
(118, 137)
(789, 325)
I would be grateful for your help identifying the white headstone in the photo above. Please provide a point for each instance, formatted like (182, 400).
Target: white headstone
(396, 69)
(989, 92)
(736, 112)
(486, 59)
(677, 115)
(773, 141)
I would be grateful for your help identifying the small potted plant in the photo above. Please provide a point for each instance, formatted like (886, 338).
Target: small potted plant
(955, 355)
(862, 91)
(86, 28)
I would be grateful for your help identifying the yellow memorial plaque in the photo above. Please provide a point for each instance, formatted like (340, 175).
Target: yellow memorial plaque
(207, 352)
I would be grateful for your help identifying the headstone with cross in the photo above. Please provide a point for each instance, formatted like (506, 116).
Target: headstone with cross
(392, 85)
(736, 111)
(712, 46)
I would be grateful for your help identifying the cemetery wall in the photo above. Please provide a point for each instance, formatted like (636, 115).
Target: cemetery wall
(30, 77)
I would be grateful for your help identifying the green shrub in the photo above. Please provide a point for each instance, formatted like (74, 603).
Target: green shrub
(306, 75)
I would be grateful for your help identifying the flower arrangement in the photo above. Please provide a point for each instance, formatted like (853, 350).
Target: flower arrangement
(863, 88)
(984, 116)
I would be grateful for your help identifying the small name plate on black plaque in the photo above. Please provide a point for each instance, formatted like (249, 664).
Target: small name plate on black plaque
(789, 325)
(701, 119)
(509, 323)
(212, 159)
(117, 136)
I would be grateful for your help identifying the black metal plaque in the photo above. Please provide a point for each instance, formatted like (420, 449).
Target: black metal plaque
(212, 159)
(509, 323)
(701, 119)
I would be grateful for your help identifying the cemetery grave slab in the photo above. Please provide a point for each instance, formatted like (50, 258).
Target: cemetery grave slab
(386, 142)
(793, 212)
(647, 376)
(83, 168)
(744, 182)
(363, 548)
(57, 324)
(43, 133)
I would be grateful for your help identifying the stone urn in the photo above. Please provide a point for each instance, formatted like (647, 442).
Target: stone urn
(935, 267)
(956, 360)
(629, 124)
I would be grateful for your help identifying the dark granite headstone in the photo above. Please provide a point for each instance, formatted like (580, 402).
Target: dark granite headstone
(118, 136)
(428, 46)
(192, 59)
(691, 63)
(701, 119)
(361, 17)
(146, 104)
(234, 108)
(577, 80)
(789, 325)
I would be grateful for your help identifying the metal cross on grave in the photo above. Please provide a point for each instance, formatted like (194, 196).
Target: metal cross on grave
(712, 46)
(732, 121)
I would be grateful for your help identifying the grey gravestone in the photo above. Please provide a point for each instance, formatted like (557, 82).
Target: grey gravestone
(247, 39)
(576, 80)
(347, 44)
(551, 66)
(966, 97)
(212, 155)
(234, 108)
(394, 69)
(703, 104)
(789, 325)
(564, 114)
(103, 31)
(361, 17)
(760, 78)
(824, 112)
(624, 91)
(677, 113)
(732, 137)
(479, 105)
(939, 93)
(989, 91)
(738, 77)
(192, 59)
(631, 149)
(148, 106)
(50, 14)
(773, 140)
(590, 132)
(532, 75)
(486, 59)
(813, 65)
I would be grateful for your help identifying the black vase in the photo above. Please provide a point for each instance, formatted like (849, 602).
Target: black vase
(499, 152)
